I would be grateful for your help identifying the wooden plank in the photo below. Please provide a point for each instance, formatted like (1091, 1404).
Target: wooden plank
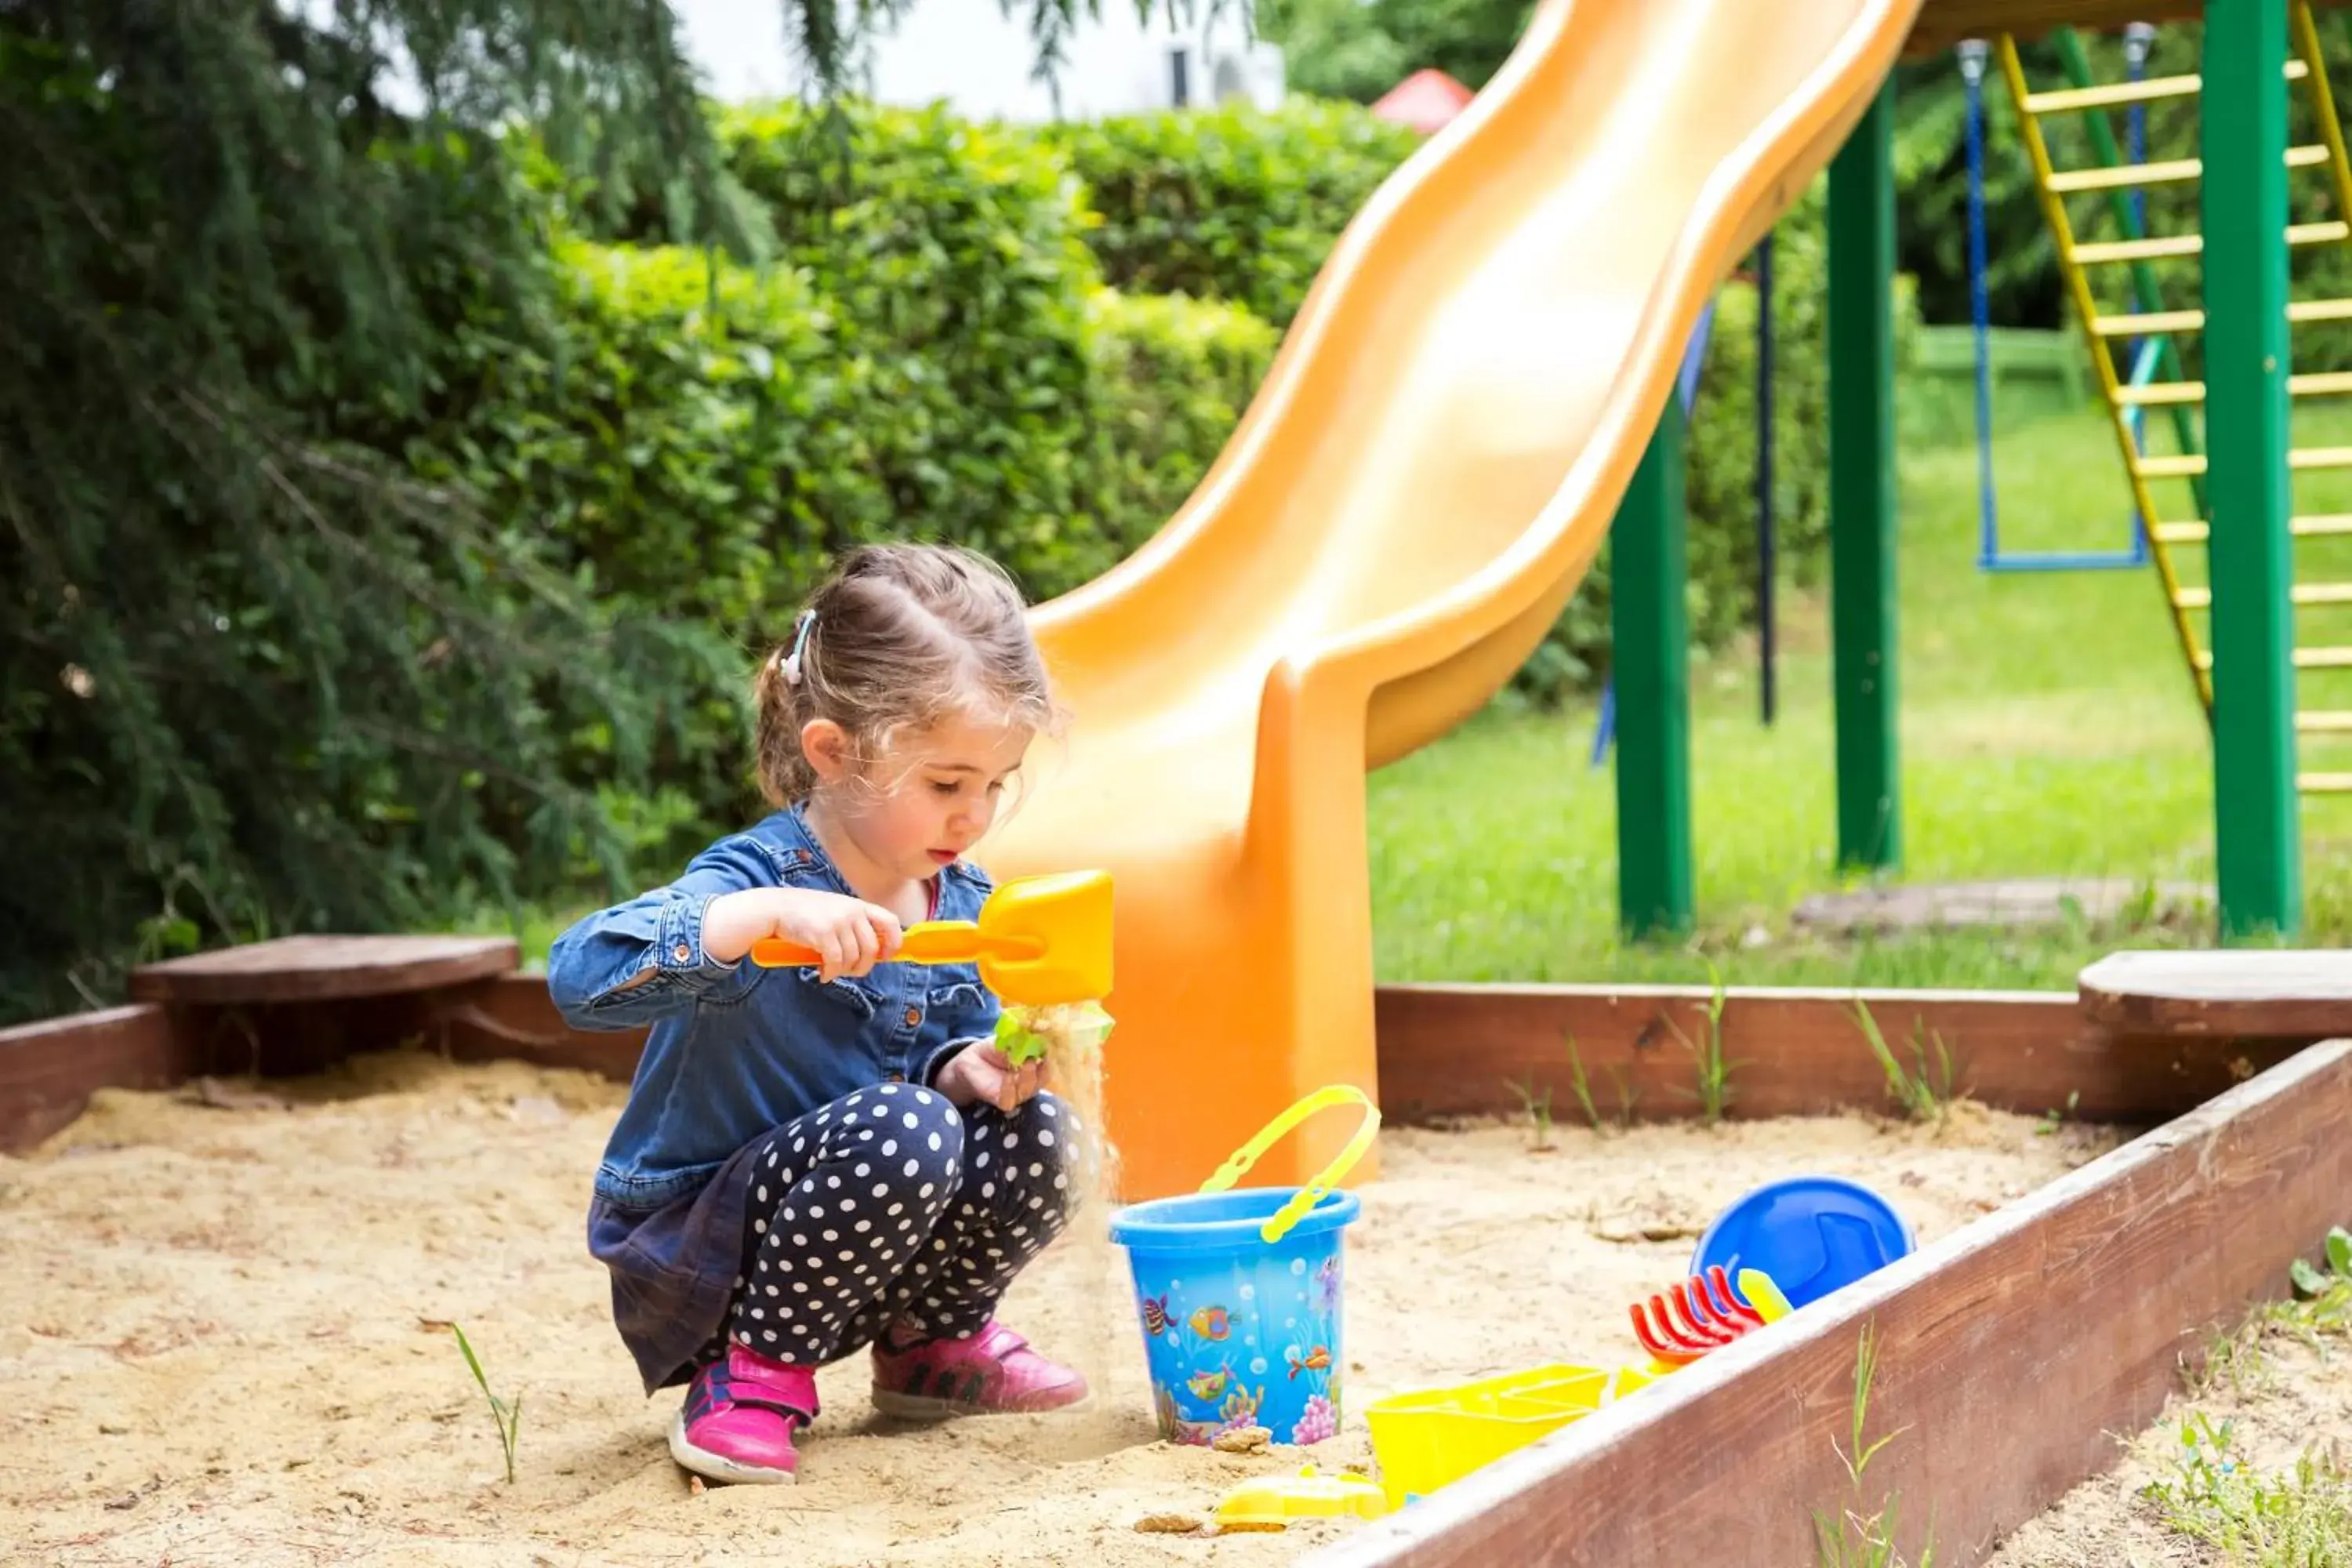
(2010, 1353)
(49, 1068)
(1457, 1050)
(2229, 993)
(513, 1016)
(1445, 1050)
(313, 968)
(1942, 24)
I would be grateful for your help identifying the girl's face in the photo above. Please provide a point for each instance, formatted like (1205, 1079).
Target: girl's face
(925, 802)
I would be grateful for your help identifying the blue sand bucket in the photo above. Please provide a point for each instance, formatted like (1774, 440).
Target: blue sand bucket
(1238, 1292)
(1810, 1234)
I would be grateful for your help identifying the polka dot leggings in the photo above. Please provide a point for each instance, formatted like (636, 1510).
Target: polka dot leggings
(891, 1209)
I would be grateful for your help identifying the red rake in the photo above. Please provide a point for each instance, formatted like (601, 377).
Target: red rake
(1707, 1316)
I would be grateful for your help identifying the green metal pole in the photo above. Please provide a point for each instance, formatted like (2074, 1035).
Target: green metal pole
(1650, 641)
(1862, 489)
(2246, 363)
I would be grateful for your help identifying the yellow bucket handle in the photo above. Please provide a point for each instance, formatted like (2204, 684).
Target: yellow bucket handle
(1233, 1170)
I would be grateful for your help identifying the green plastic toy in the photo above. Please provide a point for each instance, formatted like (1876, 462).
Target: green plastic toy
(1027, 1034)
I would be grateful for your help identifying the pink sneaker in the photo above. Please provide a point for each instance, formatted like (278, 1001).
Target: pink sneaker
(994, 1373)
(738, 1419)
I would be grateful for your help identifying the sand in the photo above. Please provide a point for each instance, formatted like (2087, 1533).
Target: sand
(224, 1337)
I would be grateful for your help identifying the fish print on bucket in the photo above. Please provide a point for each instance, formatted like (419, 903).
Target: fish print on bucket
(1238, 1289)
(1252, 1343)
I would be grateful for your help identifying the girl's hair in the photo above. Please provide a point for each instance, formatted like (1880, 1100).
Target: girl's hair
(899, 637)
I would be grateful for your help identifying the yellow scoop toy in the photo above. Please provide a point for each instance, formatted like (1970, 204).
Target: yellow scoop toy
(1039, 940)
(1271, 1502)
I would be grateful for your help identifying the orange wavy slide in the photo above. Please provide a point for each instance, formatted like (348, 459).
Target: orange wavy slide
(1428, 470)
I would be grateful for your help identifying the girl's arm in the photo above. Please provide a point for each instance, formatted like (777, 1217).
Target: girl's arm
(625, 966)
(670, 950)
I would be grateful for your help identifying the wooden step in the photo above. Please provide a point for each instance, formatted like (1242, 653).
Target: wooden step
(2141, 324)
(2163, 172)
(2220, 993)
(316, 968)
(2326, 525)
(2191, 465)
(2108, 95)
(2310, 722)
(2172, 245)
(2098, 250)
(2324, 783)
(2304, 659)
(2158, 394)
(2153, 393)
(2303, 593)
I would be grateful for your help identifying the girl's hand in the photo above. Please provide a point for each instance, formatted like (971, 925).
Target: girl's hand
(979, 1073)
(849, 935)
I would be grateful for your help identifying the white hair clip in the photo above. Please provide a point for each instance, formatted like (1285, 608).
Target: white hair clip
(791, 663)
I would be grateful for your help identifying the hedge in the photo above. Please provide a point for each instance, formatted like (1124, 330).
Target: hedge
(1228, 203)
(1172, 378)
(698, 438)
(948, 260)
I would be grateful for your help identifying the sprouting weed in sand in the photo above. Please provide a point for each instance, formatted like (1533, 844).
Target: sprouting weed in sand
(2286, 1518)
(1538, 1111)
(1583, 1087)
(2053, 1117)
(1851, 1538)
(1714, 1093)
(1581, 1082)
(2311, 1283)
(1924, 1095)
(2319, 1307)
(1628, 1093)
(506, 1413)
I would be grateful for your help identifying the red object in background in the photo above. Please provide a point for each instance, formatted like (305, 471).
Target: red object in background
(1425, 100)
(1709, 1316)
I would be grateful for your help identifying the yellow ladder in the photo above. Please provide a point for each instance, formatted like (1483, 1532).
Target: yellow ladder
(2100, 328)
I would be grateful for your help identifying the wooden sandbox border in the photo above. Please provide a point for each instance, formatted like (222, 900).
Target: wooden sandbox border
(2012, 1354)
(1445, 1051)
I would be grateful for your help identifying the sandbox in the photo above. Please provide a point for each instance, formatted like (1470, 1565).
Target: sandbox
(234, 1346)
(231, 1341)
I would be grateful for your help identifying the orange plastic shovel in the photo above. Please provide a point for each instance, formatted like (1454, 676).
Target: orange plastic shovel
(1041, 941)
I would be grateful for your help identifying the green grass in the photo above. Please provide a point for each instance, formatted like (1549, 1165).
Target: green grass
(1925, 1094)
(506, 1413)
(1846, 1536)
(2048, 728)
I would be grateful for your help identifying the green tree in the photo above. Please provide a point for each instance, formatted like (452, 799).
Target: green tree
(1333, 48)
(1360, 49)
(1466, 39)
(253, 676)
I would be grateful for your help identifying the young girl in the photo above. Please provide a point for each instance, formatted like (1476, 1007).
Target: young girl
(815, 1160)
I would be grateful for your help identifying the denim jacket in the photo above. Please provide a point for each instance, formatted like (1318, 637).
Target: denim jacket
(736, 1049)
